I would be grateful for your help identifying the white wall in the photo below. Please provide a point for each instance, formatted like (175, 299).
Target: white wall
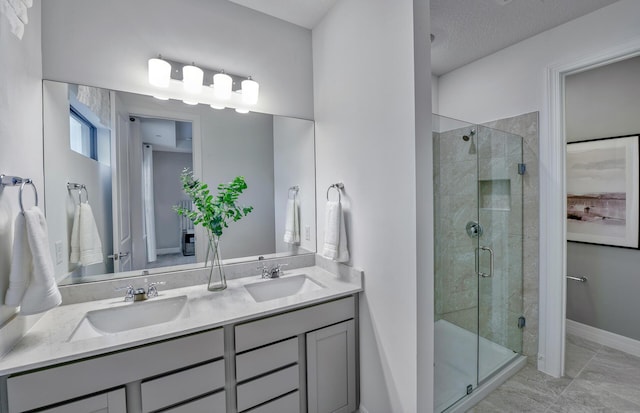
(365, 137)
(435, 95)
(107, 44)
(63, 165)
(294, 164)
(21, 137)
(512, 81)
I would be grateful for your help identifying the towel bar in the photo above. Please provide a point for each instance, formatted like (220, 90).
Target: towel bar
(580, 279)
(6, 180)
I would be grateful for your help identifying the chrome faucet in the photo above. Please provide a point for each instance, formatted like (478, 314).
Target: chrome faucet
(271, 272)
(139, 294)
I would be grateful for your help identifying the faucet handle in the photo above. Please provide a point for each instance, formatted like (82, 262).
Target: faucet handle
(265, 271)
(276, 269)
(152, 290)
(129, 292)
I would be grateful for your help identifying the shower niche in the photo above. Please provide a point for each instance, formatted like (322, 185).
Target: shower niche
(478, 279)
(495, 194)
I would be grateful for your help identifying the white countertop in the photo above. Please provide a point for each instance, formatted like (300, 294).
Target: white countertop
(46, 343)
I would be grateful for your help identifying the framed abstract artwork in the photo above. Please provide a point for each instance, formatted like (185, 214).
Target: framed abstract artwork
(602, 191)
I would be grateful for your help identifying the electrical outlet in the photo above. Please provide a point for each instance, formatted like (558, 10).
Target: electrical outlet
(307, 233)
(58, 252)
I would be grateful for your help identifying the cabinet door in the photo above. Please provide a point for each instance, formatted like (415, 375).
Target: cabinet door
(111, 402)
(331, 369)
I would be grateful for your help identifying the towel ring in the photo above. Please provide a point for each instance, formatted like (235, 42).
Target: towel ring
(35, 191)
(338, 188)
(79, 187)
(86, 194)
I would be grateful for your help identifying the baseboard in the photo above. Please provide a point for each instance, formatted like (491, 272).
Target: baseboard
(606, 338)
(165, 251)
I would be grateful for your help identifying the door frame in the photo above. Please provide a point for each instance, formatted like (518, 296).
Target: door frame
(553, 245)
(194, 119)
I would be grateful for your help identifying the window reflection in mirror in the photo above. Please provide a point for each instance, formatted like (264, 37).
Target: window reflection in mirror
(130, 164)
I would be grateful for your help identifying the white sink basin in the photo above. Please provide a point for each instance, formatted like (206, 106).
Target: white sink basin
(131, 316)
(266, 290)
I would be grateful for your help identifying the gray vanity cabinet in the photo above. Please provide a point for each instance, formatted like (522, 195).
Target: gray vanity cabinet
(195, 358)
(111, 402)
(299, 361)
(331, 369)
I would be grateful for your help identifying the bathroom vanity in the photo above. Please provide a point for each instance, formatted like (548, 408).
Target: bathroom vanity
(231, 352)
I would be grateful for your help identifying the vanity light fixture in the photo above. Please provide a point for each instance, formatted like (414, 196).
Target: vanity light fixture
(194, 85)
(222, 86)
(192, 77)
(250, 90)
(159, 72)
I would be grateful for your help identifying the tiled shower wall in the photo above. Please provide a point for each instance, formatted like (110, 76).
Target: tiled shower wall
(508, 210)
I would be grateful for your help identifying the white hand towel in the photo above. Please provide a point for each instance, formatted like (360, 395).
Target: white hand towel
(292, 223)
(86, 246)
(42, 293)
(74, 257)
(20, 274)
(16, 25)
(21, 10)
(335, 234)
(90, 243)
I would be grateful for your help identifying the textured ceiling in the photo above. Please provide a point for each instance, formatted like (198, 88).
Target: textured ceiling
(466, 30)
(305, 13)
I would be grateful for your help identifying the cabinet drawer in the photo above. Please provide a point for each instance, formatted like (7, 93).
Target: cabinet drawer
(269, 387)
(112, 402)
(287, 404)
(183, 385)
(214, 403)
(93, 375)
(267, 330)
(265, 359)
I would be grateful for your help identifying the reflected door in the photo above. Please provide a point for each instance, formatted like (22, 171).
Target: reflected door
(499, 249)
(121, 200)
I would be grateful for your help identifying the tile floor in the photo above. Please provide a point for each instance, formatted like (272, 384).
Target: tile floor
(597, 379)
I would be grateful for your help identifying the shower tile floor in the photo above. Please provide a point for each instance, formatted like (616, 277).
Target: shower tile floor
(597, 379)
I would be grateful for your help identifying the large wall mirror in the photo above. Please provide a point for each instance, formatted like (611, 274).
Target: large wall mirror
(112, 177)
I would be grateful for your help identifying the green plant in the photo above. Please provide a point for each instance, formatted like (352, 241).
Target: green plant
(213, 212)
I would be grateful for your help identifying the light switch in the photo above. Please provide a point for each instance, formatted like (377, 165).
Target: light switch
(307, 233)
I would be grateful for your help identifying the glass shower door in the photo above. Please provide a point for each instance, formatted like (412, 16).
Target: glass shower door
(456, 281)
(499, 250)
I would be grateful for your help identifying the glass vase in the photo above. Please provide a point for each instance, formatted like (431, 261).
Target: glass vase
(217, 279)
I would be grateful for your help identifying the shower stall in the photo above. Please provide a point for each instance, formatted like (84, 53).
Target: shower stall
(478, 204)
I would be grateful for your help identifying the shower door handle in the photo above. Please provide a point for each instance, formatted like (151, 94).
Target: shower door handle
(480, 273)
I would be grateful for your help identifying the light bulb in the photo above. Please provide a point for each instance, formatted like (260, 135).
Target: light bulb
(242, 110)
(222, 84)
(189, 102)
(192, 78)
(218, 107)
(250, 90)
(159, 72)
